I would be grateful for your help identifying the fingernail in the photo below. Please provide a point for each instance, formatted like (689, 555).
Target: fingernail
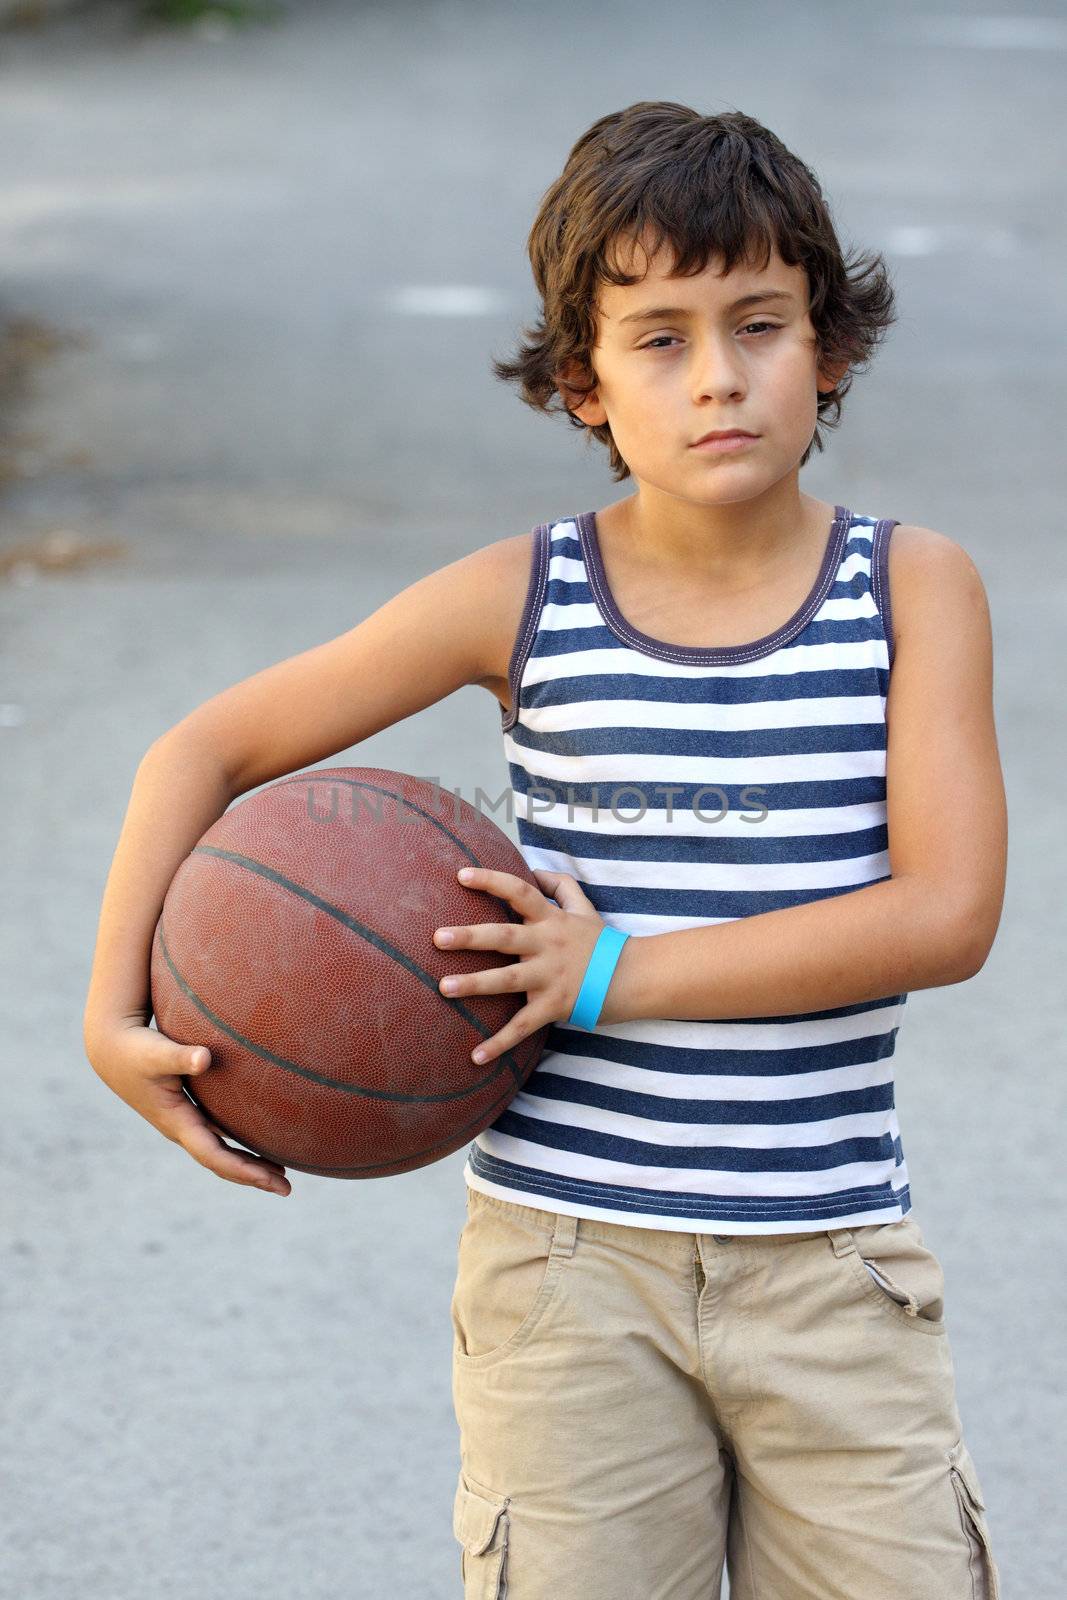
(465, 873)
(479, 1055)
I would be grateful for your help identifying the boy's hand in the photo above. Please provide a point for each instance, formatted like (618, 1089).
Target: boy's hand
(145, 1069)
(553, 943)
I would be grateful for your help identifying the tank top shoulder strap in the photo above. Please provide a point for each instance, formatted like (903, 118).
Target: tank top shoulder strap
(536, 589)
(883, 529)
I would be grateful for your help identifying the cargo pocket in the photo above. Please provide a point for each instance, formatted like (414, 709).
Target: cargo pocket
(480, 1523)
(985, 1579)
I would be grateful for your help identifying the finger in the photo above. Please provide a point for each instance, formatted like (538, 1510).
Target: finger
(197, 1137)
(507, 936)
(565, 889)
(178, 1116)
(516, 977)
(524, 896)
(521, 1026)
(161, 1057)
(549, 880)
(263, 1163)
(192, 1061)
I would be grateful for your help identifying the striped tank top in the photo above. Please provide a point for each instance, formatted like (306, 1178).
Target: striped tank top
(684, 786)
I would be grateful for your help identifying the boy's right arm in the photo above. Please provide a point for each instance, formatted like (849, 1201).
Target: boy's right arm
(452, 628)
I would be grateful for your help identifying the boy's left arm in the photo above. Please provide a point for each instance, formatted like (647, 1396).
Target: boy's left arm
(934, 919)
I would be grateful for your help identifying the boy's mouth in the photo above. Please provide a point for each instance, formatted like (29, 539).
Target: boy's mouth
(730, 439)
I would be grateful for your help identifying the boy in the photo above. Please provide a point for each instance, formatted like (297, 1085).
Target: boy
(695, 1320)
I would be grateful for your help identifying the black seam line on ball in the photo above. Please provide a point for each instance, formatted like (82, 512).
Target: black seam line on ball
(473, 1126)
(318, 1077)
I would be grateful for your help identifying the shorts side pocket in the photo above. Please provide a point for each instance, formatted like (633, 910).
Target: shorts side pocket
(480, 1523)
(898, 1272)
(985, 1579)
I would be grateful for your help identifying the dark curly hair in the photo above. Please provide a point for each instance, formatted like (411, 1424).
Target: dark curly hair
(721, 186)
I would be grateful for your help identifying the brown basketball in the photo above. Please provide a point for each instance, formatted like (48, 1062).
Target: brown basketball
(296, 943)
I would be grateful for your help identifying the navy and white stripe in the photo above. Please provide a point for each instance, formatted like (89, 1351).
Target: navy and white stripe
(751, 1125)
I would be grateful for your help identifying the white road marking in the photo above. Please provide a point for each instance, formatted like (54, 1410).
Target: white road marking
(447, 300)
(996, 33)
(922, 239)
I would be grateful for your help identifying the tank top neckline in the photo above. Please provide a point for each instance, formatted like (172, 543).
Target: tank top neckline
(647, 644)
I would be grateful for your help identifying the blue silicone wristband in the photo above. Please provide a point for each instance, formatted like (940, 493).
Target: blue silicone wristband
(598, 974)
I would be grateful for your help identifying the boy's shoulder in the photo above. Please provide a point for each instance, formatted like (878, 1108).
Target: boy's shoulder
(940, 610)
(913, 544)
(928, 570)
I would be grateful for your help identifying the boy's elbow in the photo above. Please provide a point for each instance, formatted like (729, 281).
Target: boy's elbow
(970, 967)
(966, 946)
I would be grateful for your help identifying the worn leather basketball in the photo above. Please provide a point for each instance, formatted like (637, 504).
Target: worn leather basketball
(296, 943)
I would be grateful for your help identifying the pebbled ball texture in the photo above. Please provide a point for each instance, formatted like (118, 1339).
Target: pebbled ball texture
(296, 943)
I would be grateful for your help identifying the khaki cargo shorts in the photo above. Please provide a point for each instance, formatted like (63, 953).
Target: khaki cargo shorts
(638, 1407)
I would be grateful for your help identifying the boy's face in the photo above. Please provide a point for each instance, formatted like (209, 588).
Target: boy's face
(663, 381)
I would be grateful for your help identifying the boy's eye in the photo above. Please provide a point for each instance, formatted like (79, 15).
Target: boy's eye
(663, 338)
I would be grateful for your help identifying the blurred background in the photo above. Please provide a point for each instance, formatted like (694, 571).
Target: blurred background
(254, 263)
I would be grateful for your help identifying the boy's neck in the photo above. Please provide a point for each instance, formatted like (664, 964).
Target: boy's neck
(733, 547)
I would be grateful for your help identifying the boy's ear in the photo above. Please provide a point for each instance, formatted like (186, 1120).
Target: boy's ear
(589, 410)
